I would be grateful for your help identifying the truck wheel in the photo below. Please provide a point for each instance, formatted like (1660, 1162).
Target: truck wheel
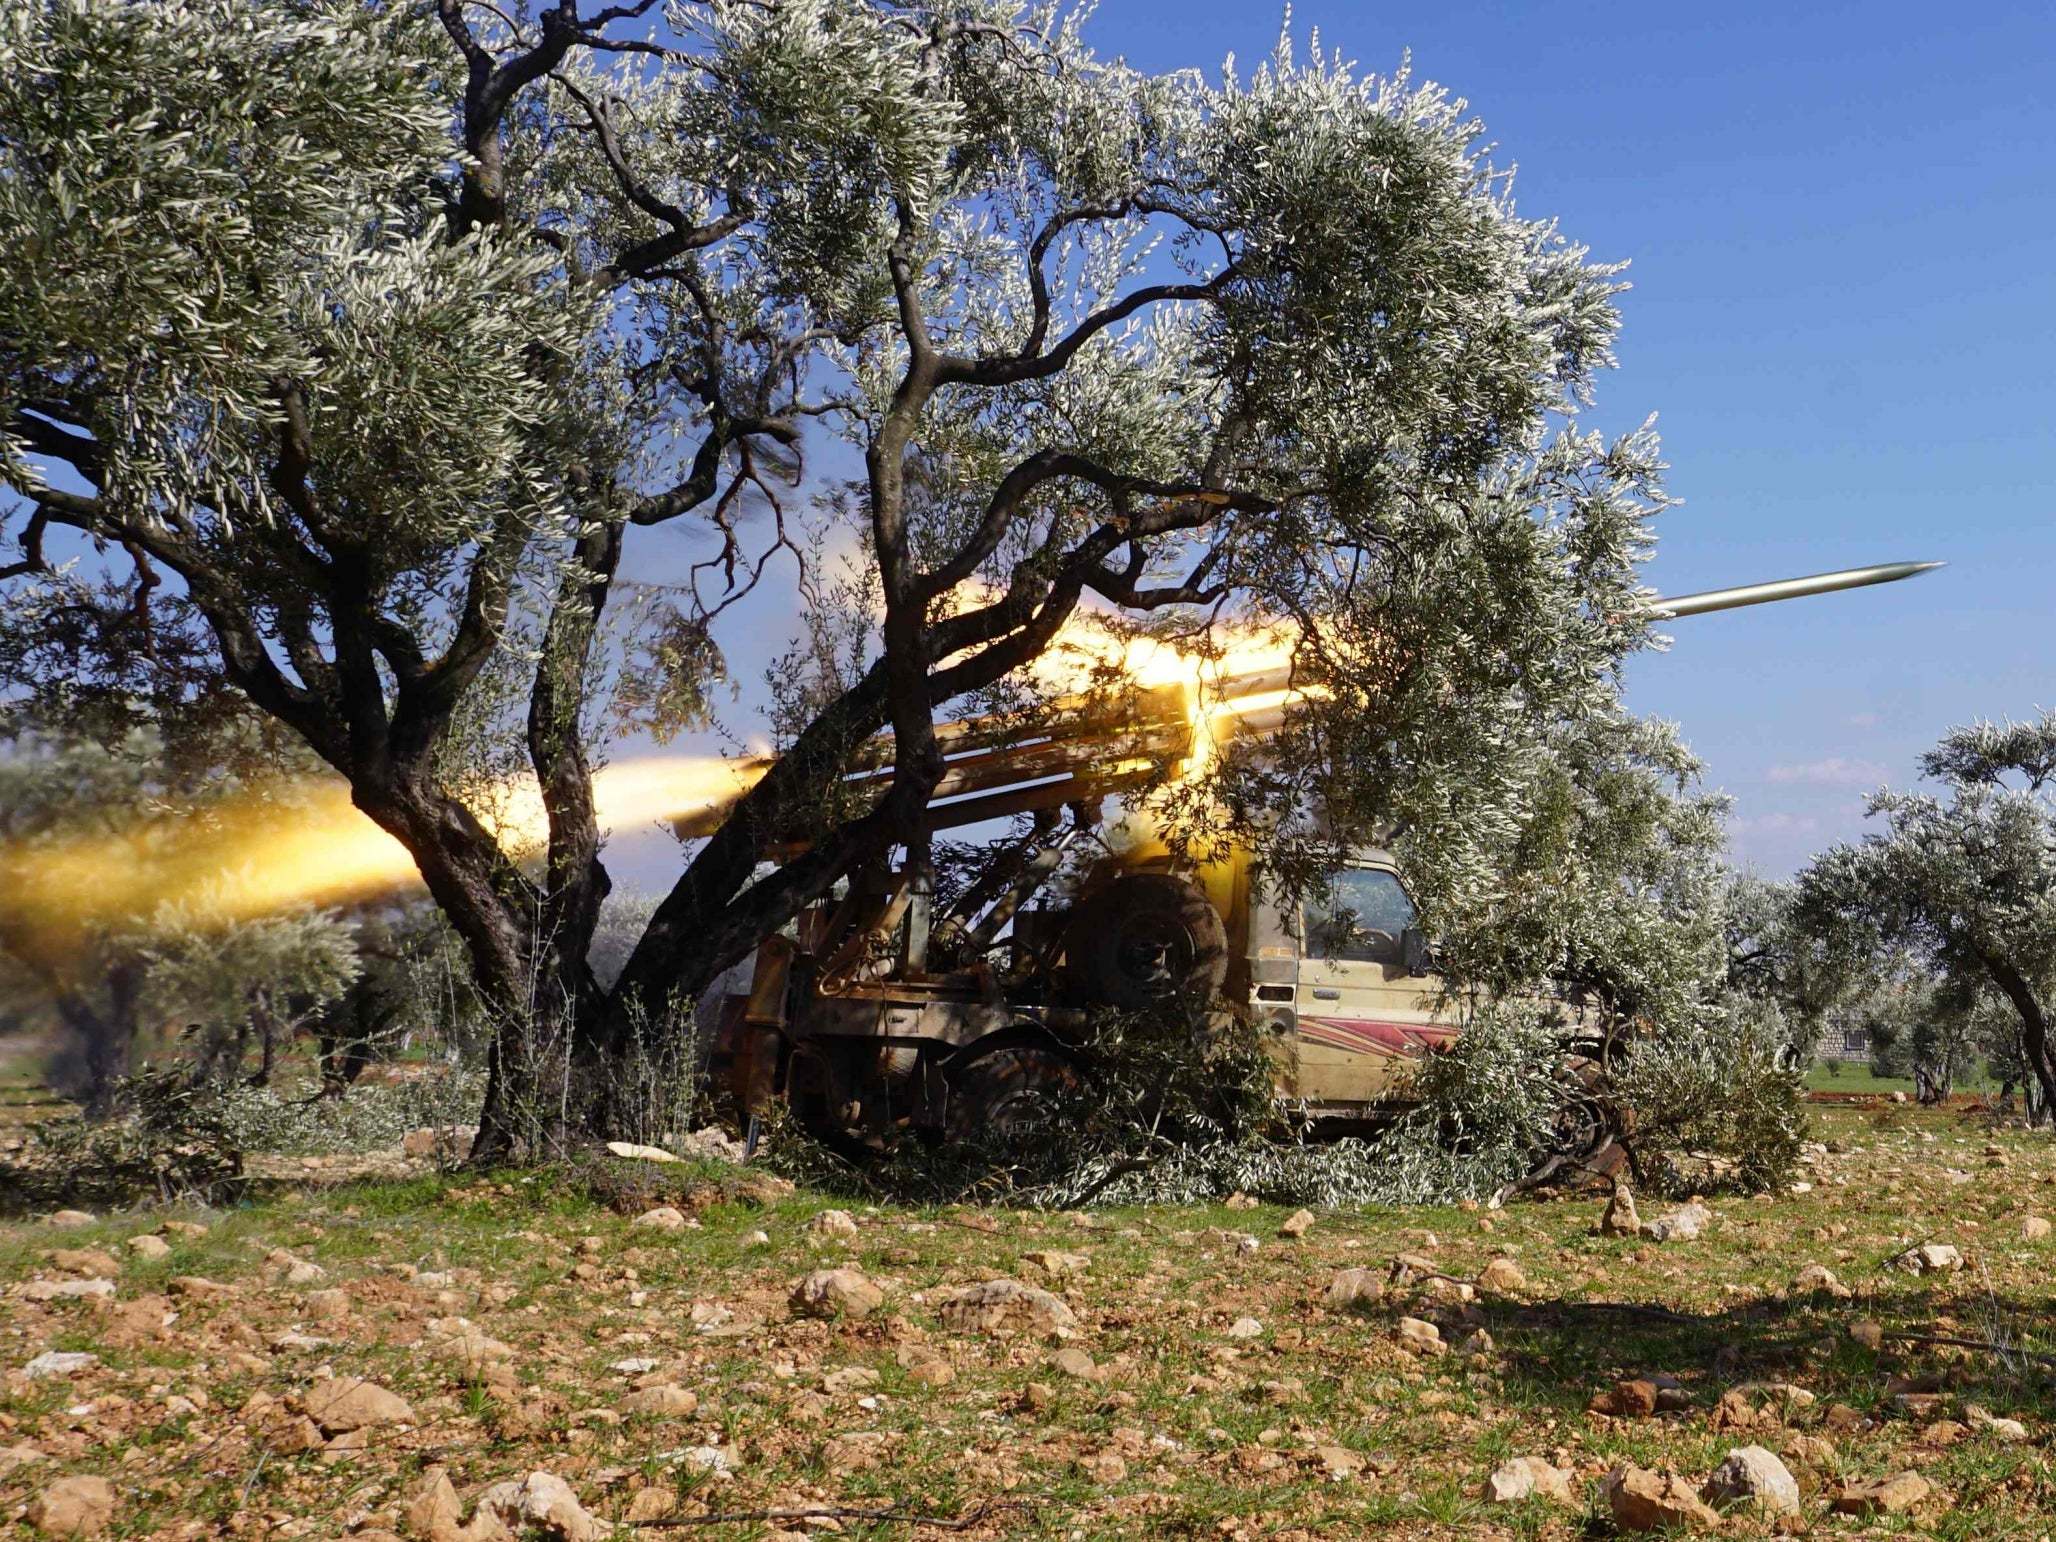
(1007, 1090)
(1144, 939)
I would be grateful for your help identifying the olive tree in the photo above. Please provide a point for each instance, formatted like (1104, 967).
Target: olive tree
(1963, 881)
(363, 345)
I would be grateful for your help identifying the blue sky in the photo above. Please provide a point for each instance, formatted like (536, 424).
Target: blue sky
(1841, 230)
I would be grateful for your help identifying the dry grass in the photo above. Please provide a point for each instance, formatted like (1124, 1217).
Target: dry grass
(1182, 1430)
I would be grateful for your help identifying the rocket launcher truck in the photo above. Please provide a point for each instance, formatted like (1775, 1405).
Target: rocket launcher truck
(879, 1012)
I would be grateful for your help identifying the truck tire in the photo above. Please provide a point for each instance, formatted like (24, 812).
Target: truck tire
(1145, 939)
(1007, 1089)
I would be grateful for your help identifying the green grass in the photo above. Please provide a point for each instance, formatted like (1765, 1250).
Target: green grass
(1857, 1076)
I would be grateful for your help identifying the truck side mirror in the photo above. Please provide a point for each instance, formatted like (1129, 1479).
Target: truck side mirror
(1413, 951)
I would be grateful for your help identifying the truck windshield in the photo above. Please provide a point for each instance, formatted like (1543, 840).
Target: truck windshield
(1361, 919)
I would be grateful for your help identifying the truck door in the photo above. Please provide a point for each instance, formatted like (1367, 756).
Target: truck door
(1362, 1016)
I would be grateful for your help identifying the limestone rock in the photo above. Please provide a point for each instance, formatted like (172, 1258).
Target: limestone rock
(1297, 1224)
(1641, 1500)
(995, 1305)
(1354, 1287)
(73, 1507)
(90, 1261)
(1058, 1265)
(346, 1403)
(1753, 1476)
(1420, 1337)
(836, 1293)
(1687, 1223)
(433, 1510)
(1504, 1276)
(59, 1362)
(1999, 1429)
(546, 1502)
(663, 1218)
(1818, 1279)
(663, 1401)
(63, 1290)
(1929, 1258)
(1245, 1328)
(1527, 1477)
(2034, 1228)
(1895, 1495)
(148, 1247)
(1635, 1399)
(66, 1220)
(833, 1223)
(1619, 1219)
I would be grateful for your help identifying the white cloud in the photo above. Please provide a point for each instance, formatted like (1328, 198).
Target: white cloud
(1774, 824)
(1835, 771)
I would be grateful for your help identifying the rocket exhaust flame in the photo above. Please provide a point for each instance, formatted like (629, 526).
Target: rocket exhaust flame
(307, 844)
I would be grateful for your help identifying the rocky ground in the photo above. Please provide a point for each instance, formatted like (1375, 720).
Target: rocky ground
(715, 1356)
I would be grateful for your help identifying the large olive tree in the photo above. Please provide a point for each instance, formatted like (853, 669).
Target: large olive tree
(363, 344)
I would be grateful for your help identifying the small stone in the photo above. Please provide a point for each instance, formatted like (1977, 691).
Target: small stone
(1929, 1258)
(1642, 1500)
(148, 1247)
(1420, 1337)
(1297, 1224)
(997, 1305)
(73, 1507)
(1883, 1496)
(1818, 1279)
(67, 1220)
(1479, 1342)
(2034, 1228)
(925, 1366)
(1999, 1429)
(1339, 1462)
(59, 1362)
(433, 1511)
(836, 1292)
(1058, 1265)
(833, 1223)
(1504, 1276)
(1104, 1466)
(1753, 1476)
(1634, 1399)
(1811, 1450)
(1245, 1328)
(1867, 1332)
(91, 1261)
(663, 1401)
(1073, 1361)
(346, 1403)
(1240, 1201)
(64, 1290)
(650, 1504)
(1354, 1287)
(1685, 1224)
(546, 1502)
(328, 1305)
(663, 1218)
(1527, 1477)
(197, 1286)
(1619, 1219)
